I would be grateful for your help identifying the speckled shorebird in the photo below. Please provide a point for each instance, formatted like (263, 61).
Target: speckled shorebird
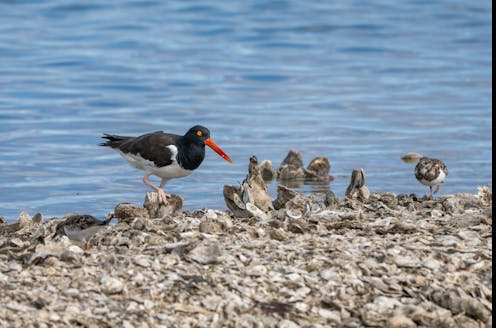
(81, 228)
(165, 155)
(428, 171)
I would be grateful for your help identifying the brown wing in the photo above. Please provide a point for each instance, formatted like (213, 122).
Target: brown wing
(82, 222)
(85, 221)
(429, 168)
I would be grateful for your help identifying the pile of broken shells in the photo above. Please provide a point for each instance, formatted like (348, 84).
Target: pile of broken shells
(387, 261)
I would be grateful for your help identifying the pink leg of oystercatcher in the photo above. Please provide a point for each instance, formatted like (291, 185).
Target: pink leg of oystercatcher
(162, 196)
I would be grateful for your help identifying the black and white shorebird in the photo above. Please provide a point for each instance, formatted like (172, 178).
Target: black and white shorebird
(81, 228)
(165, 155)
(428, 171)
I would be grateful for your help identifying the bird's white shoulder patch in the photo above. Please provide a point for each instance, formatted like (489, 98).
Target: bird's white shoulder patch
(173, 150)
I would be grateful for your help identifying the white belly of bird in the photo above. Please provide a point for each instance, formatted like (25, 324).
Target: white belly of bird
(82, 235)
(171, 171)
(440, 178)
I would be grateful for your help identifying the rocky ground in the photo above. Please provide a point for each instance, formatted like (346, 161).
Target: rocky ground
(387, 261)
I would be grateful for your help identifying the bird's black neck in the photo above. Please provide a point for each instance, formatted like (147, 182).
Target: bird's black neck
(190, 154)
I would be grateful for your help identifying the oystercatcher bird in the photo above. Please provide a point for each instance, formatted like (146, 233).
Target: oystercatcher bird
(428, 171)
(81, 228)
(165, 155)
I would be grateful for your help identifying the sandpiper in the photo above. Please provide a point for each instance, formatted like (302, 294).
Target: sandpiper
(81, 228)
(428, 171)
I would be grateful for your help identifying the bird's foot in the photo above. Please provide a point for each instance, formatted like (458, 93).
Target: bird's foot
(162, 196)
(87, 246)
(438, 187)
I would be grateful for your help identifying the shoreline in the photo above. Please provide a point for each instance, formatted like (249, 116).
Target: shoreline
(392, 260)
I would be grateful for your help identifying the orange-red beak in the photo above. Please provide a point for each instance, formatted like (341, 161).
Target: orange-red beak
(209, 142)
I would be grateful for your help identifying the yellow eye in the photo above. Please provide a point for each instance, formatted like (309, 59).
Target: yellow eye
(199, 133)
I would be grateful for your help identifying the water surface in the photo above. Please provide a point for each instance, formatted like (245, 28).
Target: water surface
(358, 82)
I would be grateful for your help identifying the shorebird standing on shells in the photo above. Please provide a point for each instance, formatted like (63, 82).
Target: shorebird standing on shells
(81, 228)
(428, 171)
(165, 155)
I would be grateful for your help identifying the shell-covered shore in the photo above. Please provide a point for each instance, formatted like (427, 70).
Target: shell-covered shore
(389, 261)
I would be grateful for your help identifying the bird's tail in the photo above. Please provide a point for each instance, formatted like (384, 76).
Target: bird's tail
(113, 140)
(411, 158)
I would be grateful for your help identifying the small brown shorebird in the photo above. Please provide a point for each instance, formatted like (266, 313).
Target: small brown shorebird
(428, 171)
(165, 155)
(81, 228)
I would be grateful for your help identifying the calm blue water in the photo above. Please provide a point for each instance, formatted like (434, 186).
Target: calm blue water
(358, 82)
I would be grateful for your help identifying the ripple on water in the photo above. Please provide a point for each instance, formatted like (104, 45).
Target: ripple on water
(356, 82)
